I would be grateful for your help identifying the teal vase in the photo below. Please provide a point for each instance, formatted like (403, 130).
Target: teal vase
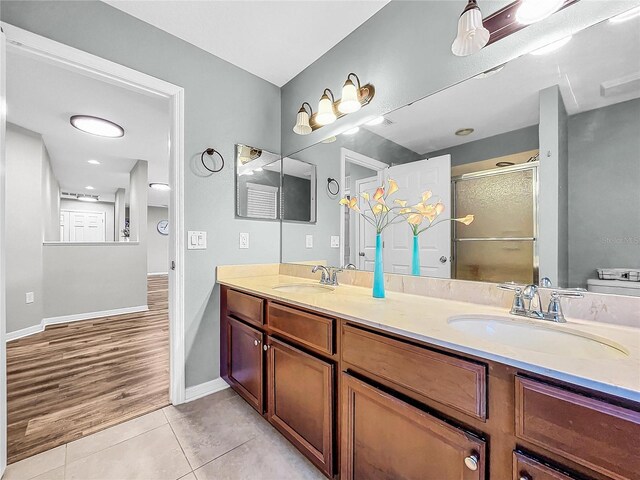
(415, 260)
(378, 272)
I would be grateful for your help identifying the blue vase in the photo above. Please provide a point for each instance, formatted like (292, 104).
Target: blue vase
(378, 272)
(415, 261)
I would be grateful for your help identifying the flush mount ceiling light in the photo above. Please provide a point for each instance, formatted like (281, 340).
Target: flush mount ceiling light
(375, 121)
(552, 47)
(87, 198)
(463, 132)
(89, 187)
(628, 15)
(350, 102)
(93, 162)
(532, 11)
(351, 131)
(472, 36)
(97, 126)
(302, 126)
(162, 187)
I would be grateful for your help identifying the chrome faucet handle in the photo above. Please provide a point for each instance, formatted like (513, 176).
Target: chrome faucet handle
(545, 282)
(324, 279)
(517, 306)
(532, 293)
(334, 275)
(510, 286)
(554, 311)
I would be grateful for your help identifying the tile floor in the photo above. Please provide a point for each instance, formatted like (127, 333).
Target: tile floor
(216, 437)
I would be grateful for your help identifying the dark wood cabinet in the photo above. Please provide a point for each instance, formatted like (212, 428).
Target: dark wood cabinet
(386, 438)
(527, 468)
(244, 361)
(301, 401)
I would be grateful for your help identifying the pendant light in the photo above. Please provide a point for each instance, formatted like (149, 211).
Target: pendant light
(532, 11)
(325, 114)
(302, 126)
(350, 102)
(472, 36)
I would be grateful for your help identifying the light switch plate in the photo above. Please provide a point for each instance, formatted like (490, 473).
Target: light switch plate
(244, 240)
(335, 241)
(309, 241)
(29, 297)
(196, 240)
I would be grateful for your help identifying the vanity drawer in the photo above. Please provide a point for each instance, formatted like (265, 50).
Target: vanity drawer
(527, 468)
(307, 329)
(451, 381)
(245, 307)
(591, 432)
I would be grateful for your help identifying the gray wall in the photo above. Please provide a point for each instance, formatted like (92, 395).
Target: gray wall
(224, 105)
(51, 199)
(157, 244)
(295, 199)
(119, 207)
(405, 51)
(604, 190)
(24, 224)
(77, 205)
(508, 143)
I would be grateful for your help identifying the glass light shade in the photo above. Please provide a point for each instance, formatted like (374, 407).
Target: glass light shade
(163, 187)
(532, 11)
(472, 36)
(97, 126)
(325, 114)
(349, 102)
(302, 126)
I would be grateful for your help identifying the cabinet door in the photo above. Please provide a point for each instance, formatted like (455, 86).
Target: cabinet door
(300, 403)
(244, 361)
(386, 438)
(526, 468)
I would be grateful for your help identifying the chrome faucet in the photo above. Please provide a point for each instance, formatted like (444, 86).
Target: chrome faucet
(526, 301)
(329, 275)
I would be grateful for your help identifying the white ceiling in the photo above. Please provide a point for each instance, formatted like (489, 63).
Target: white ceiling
(274, 40)
(508, 100)
(42, 96)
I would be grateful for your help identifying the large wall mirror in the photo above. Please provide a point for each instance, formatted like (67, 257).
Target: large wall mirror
(543, 151)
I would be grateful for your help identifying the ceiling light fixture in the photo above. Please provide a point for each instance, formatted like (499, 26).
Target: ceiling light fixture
(351, 131)
(375, 121)
(161, 187)
(302, 126)
(472, 36)
(628, 15)
(552, 47)
(532, 11)
(97, 126)
(350, 102)
(93, 162)
(89, 187)
(87, 198)
(326, 115)
(463, 132)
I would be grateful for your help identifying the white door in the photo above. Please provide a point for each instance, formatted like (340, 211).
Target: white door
(435, 244)
(83, 226)
(365, 232)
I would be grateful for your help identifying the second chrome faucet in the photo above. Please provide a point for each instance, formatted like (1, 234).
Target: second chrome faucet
(526, 301)
(329, 274)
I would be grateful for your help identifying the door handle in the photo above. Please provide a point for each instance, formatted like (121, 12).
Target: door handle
(443, 259)
(361, 254)
(173, 265)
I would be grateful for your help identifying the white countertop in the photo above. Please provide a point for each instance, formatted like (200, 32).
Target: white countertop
(425, 319)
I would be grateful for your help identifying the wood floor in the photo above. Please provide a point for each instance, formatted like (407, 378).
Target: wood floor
(75, 379)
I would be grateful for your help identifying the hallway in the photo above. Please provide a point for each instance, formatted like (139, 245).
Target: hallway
(78, 378)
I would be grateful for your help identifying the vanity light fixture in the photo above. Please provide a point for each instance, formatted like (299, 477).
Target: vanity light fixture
(351, 131)
(350, 102)
(552, 47)
(472, 36)
(532, 11)
(326, 114)
(96, 126)
(628, 15)
(93, 162)
(375, 121)
(162, 187)
(302, 126)
(463, 132)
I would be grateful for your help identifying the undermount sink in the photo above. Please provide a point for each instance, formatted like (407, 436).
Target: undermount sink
(533, 336)
(304, 288)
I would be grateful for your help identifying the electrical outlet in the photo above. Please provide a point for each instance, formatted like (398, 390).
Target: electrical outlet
(29, 297)
(335, 241)
(244, 240)
(309, 241)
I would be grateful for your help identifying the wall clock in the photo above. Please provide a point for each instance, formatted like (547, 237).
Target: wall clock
(163, 227)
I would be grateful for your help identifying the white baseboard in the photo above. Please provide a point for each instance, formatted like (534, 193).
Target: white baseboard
(157, 273)
(73, 318)
(204, 389)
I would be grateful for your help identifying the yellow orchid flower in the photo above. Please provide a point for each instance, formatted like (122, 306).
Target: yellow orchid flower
(352, 203)
(439, 208)
(402, 203)
(404, 211)
(426, 196)
(379, 209)
(415, 219)
(466, 220)
(393, 187)
(365, 195)
(379, 195)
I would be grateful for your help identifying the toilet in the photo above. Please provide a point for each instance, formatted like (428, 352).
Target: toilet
(614, 287)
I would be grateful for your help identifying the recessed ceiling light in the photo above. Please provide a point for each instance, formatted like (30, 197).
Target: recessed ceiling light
(97, 126)
(89, 187)
(532, 11)
(163, 187)
(628, 15)
(351, 131)
(463, 132)
(552, 47)
(93, 162)
(375, 121)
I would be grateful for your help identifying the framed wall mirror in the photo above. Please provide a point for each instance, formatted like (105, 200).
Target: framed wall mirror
(543, 151)
(257, 183)
(299, 187)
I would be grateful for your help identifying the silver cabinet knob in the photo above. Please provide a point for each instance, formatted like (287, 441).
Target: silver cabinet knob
(524, 476)
(471, 462)
(256, 342)
(443, 259)
(265, 347)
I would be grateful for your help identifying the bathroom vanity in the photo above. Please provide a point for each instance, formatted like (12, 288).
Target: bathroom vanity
(370, 388)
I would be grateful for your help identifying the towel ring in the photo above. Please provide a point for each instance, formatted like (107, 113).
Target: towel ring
(211, 152)
(331, 181)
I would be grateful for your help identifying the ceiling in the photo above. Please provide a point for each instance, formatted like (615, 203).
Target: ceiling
(508, 100)
(274, 40)
(42, 96)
